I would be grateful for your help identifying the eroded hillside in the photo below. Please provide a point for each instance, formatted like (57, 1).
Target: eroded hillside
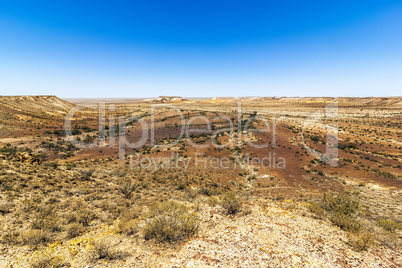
(21, 115)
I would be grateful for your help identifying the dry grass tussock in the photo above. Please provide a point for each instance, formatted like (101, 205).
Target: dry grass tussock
(170, 222)
(343, 210)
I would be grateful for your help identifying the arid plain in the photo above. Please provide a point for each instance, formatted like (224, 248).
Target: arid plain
(174, 182)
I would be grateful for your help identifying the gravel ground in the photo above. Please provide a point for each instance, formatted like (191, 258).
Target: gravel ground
(272, 237)
(266, 234)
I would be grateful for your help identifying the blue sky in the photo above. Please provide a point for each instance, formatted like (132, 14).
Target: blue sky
(201, 48)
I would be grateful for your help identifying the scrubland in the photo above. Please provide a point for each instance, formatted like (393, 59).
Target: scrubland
(88, 207)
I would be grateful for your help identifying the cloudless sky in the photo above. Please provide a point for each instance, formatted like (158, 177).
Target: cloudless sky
(201, 48)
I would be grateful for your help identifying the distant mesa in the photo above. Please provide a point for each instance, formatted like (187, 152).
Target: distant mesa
(168, 99)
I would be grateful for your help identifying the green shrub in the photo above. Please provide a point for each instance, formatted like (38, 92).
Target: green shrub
(170, 222)
(340, 210)
(317, 210)
(345, 222)
(389, 225)
(339, 204)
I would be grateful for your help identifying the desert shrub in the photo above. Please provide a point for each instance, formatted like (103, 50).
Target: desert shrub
(74, 229)
(181, 186)
(207, 191)
(232, 203)
(11, 237)
(389, 225)
(8, 149)
(345, 222)
(4, 186)
(127, 189)
(28, 205)
(84, 174)
(47, 260)
(280, 197)
(362, 240)
(84, 216)
(5, 208)
(126, 226)
(340, 210)
(170, 222)
(388, 239)
(46, 219)
(52, 200)
(339, 204)
(317, 210)
(347, 146)
(251, 177)
(89, 138)
(213, 201)
(52, 164)
(35, 237)
(49, 224)
(132, 213)
(190, 193)
(104, 248)
(128, 223)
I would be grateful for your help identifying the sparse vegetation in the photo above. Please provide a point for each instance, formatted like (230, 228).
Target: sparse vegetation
(341, 211)
(361, 240)
(87, 205)
(389, 225)
(345, 222)
(170, 222)
(339, 204)
(47, 260)
(127, 189)
(232, 203)
(104, 249)
(74, 229)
